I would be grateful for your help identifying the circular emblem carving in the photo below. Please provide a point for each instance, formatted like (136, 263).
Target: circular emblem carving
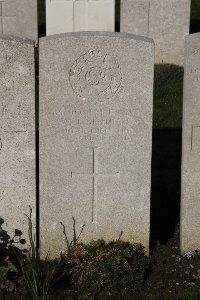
(95, 74)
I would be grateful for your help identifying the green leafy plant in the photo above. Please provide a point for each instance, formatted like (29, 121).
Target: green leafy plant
(3, 274)
(39, 275)
(113, 264)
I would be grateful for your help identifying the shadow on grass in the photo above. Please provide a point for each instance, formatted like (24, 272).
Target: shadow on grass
(166, 152)
(166, 181)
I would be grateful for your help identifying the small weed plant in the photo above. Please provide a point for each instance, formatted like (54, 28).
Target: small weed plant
(71, 244)
(114, 264)
(97, 264)
(39, 275)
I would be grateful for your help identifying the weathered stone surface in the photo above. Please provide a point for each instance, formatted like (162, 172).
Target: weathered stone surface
(166, 21)
(17, 132)
(95, 136)
(190, 204)
(19, 18)
(79, 15)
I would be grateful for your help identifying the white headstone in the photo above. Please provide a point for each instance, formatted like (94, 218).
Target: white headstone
(79, 15)
(190, 200)
(96, 95)
(17, 132)
(166, 21)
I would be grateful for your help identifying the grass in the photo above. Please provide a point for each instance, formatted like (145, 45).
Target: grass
(186, 296)
(166, 152)
(39, 275)
(168, 95)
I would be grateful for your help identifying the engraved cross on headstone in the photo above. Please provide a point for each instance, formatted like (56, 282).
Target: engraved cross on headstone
(4, 16)
(95, 176)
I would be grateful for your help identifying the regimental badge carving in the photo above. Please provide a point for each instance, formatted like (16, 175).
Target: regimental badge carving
(95, 74)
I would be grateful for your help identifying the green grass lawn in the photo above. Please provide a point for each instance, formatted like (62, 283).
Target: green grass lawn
(168, 95)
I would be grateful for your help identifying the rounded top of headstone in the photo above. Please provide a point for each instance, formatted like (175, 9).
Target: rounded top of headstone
(97, 34)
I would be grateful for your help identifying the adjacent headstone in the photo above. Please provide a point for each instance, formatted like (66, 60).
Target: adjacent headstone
(190, 202)
(19, 18)
(96, 93)
(79, 15)
(166, 21)
(17, 132)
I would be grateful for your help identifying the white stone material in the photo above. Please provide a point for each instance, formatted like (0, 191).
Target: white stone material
(166, 21)
(96, 99)
(79, 15)
(190, 198)
(17, 133)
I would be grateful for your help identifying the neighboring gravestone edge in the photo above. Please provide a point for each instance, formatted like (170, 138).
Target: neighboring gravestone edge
(167, 22)
(17, 135)
(190, 169)
(97, 34)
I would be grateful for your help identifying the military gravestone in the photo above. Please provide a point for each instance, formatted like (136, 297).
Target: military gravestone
(17, 132)
(79, 15)
(166, 21)
(190, 204)
(95, 136)
(19, 18)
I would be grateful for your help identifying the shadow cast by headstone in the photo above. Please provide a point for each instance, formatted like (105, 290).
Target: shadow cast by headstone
(166, 184)
(13, 247)
(117, 15)
(42, 18)
(194, 26)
